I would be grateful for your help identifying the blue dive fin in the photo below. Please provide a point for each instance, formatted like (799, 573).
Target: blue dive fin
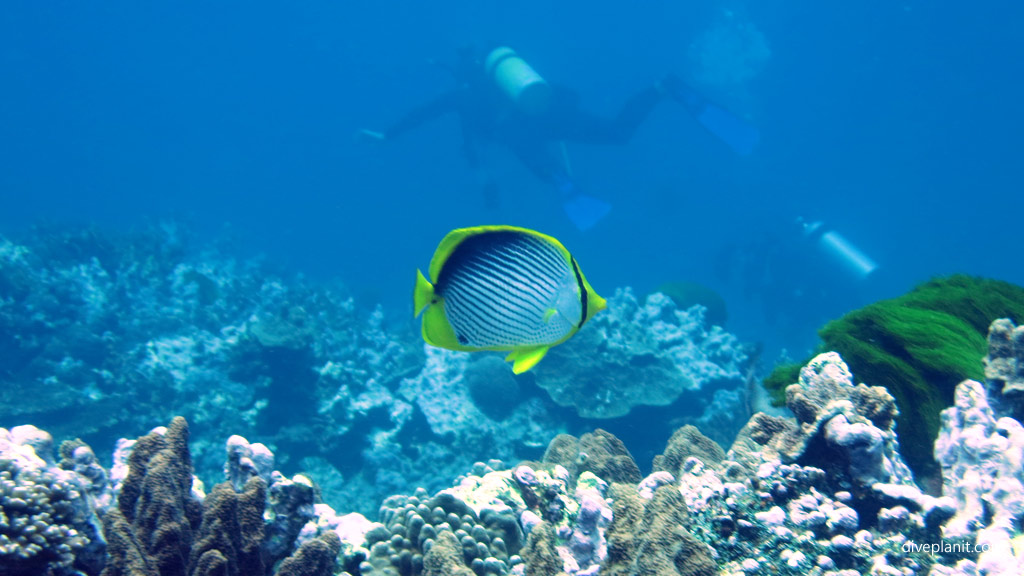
(736, 132)
(585, 211)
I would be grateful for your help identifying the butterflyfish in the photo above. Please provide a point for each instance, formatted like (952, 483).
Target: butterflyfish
(503, 288)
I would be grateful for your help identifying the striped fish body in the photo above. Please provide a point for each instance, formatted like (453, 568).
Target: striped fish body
(503, 288)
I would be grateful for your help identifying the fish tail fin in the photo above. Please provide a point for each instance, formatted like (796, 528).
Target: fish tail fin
(422, 294)
(526, 358)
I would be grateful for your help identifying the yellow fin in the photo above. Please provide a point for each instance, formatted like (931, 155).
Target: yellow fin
(549, 315)
(422, 294)
(438, 332)
(526, 358)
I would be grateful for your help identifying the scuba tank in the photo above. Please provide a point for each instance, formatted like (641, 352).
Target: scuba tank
(838, 249)
(517, 80)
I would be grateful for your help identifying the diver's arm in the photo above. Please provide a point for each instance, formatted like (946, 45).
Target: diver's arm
(443, 104)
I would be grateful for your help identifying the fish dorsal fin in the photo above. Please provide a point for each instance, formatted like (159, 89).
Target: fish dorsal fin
(526, 358)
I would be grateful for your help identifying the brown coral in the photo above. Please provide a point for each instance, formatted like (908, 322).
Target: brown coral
(159, 528)
(445, 558)
(684, 443)
(228, 541)
(314, 558)
(599, 452)
(156, 513)
(648, 536)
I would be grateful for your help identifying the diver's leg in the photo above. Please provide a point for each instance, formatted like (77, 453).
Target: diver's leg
(580, 126)
(635, 111)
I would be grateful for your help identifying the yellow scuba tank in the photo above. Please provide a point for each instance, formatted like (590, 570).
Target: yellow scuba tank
(517, 80)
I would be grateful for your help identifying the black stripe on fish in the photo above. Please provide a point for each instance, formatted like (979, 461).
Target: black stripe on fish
(539, 288)
(542, 256)
(549, 255)
(499, 282)
(475, 300)
(467, 315)
(583, 291)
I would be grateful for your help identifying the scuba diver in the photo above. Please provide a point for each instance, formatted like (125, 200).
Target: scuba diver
(803, 274)
(500, 98)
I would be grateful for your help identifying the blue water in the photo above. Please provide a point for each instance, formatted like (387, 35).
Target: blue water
(897, 123)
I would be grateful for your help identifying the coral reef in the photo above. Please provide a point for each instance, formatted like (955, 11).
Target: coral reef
(48, 523)
(101, 334)
(598, 452)
(649, 536)
(919, 347)
(164, 524)
(1004, 364)
(688, 294)
(646, 355)
(436, 412)
(151, 527)
(825, 493)
(982, 461)
(797, 496)
(489, 515)
(833, 418)
(98, 336)
(684, 443)
(486, 538)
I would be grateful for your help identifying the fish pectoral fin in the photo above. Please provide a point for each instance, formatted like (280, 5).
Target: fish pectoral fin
(550, 314)
(526, 358)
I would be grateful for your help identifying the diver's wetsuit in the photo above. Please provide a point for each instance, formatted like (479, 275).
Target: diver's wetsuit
(485, 116)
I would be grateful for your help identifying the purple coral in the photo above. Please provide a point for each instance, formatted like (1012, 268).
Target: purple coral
(587, 546)
(525, 476)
